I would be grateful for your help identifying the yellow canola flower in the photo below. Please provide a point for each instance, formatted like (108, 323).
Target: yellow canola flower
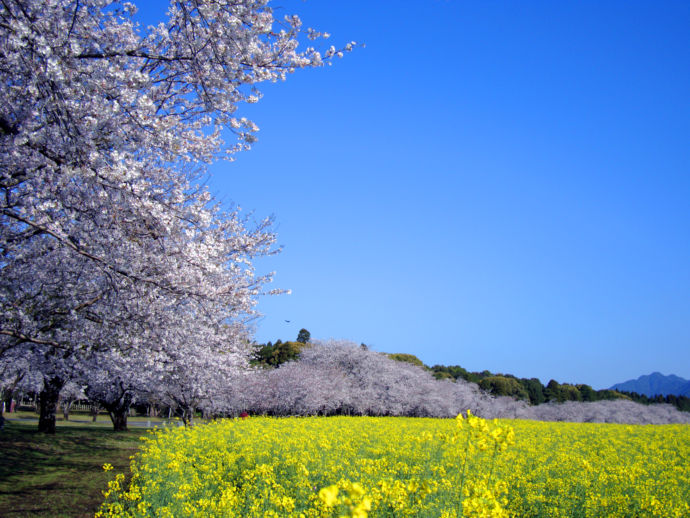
(356, 490)
(405, 467)
(329, 496)
(362, 509)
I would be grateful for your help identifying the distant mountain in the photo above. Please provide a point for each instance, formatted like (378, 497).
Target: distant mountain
(656, 383)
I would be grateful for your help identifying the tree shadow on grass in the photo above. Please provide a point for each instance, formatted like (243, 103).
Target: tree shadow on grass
(61, 474)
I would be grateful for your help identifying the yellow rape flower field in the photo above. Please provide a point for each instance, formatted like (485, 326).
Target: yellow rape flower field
(394, 467)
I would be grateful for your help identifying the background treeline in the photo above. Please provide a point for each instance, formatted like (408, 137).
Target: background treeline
(532, 390)
(527, 389)
(274, 354)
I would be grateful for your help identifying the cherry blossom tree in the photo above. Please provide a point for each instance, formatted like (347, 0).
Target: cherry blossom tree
(122, 316)
(70, 394)
(191, 377)
(610, 411)
(92, 104)
(17, 378)
(113, 381)
(107, 240)
(340, 377)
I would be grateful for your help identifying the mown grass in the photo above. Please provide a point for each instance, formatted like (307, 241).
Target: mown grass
(84, 419)
(59, 475)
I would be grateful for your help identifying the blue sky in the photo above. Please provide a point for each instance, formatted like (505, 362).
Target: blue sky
(499, 185)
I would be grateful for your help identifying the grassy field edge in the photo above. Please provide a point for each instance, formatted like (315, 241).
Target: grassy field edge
(59, 475)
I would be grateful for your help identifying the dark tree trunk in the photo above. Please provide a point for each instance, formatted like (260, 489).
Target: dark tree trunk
(8, 392)
(8, 402)
(119, 419)
(66, 407)
(119, 410)
(48, 401)
(95, 408)
(152, 411)
(187, 415)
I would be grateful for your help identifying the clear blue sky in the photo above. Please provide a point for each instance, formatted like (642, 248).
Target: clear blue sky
(499, 185)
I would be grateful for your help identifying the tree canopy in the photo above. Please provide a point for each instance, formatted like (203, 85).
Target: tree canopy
(109, 243)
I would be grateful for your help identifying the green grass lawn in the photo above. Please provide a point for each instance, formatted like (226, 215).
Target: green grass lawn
(59, 475)
(86, 420)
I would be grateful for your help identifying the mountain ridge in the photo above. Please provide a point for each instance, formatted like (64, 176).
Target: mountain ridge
(655, 384)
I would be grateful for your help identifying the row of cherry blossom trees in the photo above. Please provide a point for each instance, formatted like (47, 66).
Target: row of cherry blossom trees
(118, 269)
(339, 377)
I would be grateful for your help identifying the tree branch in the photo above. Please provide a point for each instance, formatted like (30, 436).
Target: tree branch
(26, 338)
